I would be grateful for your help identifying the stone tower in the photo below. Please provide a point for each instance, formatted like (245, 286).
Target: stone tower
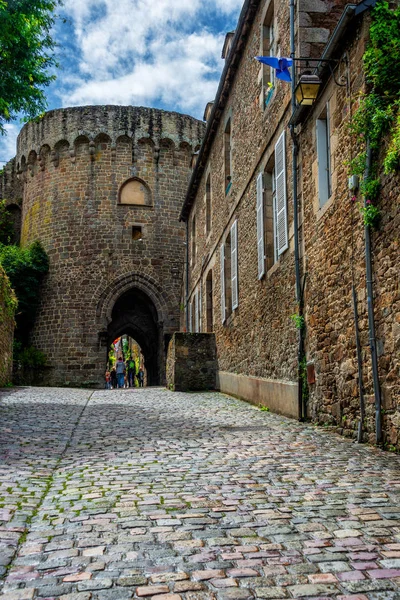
(102, 190)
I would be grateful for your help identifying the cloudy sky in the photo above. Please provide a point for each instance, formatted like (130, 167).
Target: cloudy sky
(164, 53)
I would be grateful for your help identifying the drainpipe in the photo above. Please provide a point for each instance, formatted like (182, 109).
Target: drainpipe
(187, 277)
(370, 304)
(299, 295)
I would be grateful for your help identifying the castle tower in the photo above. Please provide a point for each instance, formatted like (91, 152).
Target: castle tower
(102, 190)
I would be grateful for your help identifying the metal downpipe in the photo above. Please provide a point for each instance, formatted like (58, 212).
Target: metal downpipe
(370, 305)
(300, 353)
(187, 277)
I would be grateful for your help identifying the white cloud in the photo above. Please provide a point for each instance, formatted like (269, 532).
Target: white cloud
(146, 52)
(8, 143)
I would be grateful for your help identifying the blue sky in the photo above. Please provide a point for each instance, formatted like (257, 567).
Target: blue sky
(164, 53)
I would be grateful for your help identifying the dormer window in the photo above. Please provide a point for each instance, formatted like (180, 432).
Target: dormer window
(207, 111)
(269, 48)
(227, 44)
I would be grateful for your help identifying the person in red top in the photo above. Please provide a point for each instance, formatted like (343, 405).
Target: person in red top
(108, 379)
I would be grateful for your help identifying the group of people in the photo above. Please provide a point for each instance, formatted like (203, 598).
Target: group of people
(123, 375)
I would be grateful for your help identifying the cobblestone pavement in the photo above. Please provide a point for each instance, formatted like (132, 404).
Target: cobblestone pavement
(147, 493)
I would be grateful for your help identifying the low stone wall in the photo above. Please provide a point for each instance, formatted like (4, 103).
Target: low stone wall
(191, 362)
(279, 396)
(7, 308)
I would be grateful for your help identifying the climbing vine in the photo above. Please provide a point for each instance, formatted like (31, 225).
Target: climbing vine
(377, 116)
(8, 300)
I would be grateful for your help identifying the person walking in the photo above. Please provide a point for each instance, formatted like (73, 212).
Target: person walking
(131, 372)
(141, 377)
(107, 379)
(113, 378)
(120, 370)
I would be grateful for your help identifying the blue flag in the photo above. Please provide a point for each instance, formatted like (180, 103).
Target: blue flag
(281, 65)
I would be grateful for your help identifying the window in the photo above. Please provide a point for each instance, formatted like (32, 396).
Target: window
(209, 302)
(194, 246)
(323, 156)
(135, 191)
(208, 204)
(137, 233)
(272, 238)
(269, 48)
(228, 157)
(229, 273)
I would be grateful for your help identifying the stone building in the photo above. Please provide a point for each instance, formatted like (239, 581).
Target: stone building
(265, 256)
(101, 188)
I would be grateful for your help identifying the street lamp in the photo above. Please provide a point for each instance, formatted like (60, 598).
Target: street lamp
(307, 89)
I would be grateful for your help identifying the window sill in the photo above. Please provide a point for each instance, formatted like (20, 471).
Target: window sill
(322, 210)
(146, 206)
(273, 269)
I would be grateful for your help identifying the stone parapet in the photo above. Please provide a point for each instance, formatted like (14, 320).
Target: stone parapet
(191, 362)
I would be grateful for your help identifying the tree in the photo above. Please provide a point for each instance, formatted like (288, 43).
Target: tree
(26, 57)
(25, 268)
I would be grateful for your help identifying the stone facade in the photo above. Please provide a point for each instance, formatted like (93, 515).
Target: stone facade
(102, 190)
(6, 329)
(191, 362)
(257, 342)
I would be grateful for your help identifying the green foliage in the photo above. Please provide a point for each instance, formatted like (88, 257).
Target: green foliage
(31, 357)
(377, 116)
(298, 321)
(6, 224)
(7, 297)
(371, 215)
(25, 268)
(26, 57)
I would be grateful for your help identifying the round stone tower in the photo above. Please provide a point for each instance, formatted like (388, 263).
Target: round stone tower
(102, 190)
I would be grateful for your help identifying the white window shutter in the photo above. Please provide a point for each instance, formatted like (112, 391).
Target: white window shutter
(222, 276)
(281, 202)
(234, 265)
(260, 226)
(196, 311)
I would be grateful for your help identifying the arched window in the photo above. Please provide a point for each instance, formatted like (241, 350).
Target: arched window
(135, 191)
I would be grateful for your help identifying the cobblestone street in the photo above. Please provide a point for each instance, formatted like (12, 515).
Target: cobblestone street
(139, 493)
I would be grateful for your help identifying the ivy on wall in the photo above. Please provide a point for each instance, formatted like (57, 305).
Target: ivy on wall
(8, 300)
(377, 117)
(25, 268)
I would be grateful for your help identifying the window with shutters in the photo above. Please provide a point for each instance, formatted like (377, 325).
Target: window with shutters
(269, 48)
(229, 273)
(208, 204)
(194, 241)
(279, 198)
(323, 135)
(209, 302)
(228, 157)
(271, 213)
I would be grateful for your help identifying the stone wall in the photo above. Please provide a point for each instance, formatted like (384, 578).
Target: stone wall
(335, 261)
(104, 279)
(191, 362)
(258, 340)
(7, 305)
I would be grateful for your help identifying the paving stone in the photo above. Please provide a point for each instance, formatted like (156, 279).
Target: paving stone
(152, 590)
(143, 502)
(235, 594)
(272, 592)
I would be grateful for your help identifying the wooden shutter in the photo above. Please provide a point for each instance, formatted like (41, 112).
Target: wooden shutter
(196, 311)
(222, 277)
(234, 266)
(281, 202)
(260, 226)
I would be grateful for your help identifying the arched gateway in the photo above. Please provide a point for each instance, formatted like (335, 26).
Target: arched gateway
(102, 190)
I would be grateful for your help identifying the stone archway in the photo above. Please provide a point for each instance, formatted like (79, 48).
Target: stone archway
(135, 314)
